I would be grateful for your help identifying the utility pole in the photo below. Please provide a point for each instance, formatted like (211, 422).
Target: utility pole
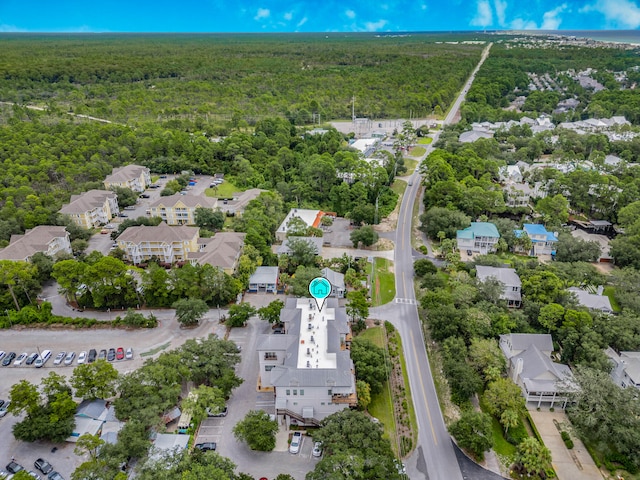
(353, 108)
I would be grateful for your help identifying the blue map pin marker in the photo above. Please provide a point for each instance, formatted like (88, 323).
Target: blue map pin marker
(320, 289)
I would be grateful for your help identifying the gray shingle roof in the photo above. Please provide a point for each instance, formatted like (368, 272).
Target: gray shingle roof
(221, 250)
(268, 275)
(192, 201)
(87, 201)
(507, 276)
(35, 240)
(160, 233)
(124, 174)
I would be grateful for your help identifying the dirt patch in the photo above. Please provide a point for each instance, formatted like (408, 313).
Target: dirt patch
(604, 267)
(384, 244)
(390, 223)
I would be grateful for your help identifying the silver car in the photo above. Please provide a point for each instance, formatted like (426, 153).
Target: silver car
(68, 360)
(82, 357)
(21, 358)
(59, 358)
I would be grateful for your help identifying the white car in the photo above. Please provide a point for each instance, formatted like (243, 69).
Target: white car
(59, 358)
(21, 358)
(317, 449)
(129, 354)
(3, 409)
(68, 360)
(296, 442)
(82, 357)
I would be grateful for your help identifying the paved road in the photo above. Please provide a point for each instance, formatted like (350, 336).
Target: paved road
(434, 457)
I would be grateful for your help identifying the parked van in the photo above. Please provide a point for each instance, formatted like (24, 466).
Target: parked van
(42, 359)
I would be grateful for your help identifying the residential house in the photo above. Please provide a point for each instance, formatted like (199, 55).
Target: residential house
(512, 286)
(626, 368)
(366, 146)
(480, 237)
(180, 209)
(530, 366)
(164, 444)
(92, 209)
(592, 301)
(311, 218)
(96, 417)
(473, 135)
(167, 244)
(309, 368)
(315, 242)
(522, 194)
(510, 173)
(542, 241)
(135, 177)
(223, 251)
(239, 201)
(48, 239)
(264, 279)
(336, 279)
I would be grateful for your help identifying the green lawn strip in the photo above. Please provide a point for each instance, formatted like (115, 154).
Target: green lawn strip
(610, 292)
(155, 178)
(407, 393)
(224, 190)
(410, 164)
(381, 407)
(376, 335)
(385, 279)
(399, 186)
(425, 140)
(500, 444)
(155, 350)
(417, 151)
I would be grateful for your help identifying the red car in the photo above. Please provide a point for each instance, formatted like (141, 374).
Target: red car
(120, 353)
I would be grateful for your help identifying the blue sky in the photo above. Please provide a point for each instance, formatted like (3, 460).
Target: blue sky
(314, 15)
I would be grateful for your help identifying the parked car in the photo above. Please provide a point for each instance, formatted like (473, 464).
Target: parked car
(68, 360)
(92, 355)
(42, 359)
(2, 354)
(110, 226)
(104, 231)
(130, 207)
(145, 195)
(103, 354)
(3, 408)
(111, 356)
(55, 476)
(21, 358)
(123, 215)
(317, 449)
(119, 353)
(35, 475)
(206, 446)
(296, 442)
(8, 359)
(217, 413)
(82, 358)
(44, 466)
(31, 358)
(129, 354)
(14, 467)
(59, 358)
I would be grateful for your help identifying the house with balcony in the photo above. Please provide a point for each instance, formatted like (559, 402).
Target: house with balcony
(531, 368)
(48, 239)
(542, 241)
(626, 368)
(521, 195)
(167, 244)
(92, 209)
(180, 209)
(222, 251)
(134, 177)
(480, 237)
(512, 286)
(264, 279)
(308, 368)
(336, 279)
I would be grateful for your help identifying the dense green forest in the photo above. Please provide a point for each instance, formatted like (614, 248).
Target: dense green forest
(506, 70)
(131, 78)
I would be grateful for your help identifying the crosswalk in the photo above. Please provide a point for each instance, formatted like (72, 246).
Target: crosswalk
(406, 301)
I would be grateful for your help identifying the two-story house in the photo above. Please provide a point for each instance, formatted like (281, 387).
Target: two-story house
(626, 368)
(135, 177)
(167, 244)
(512, 286)
(223, 251)
(48, 239)
(336, 279)
(480, 237)
(542, 241)
(593, 301)
(520, 195)
(92, 209)
(309, 368)
(180, 209)
(531, 368)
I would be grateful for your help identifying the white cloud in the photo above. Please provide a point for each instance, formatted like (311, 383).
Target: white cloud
(10, 28)
(484, 15)
(520, 24)
(501, 7)
(302, 22)
(617, 13)
(288, 16)
(262, 13)
(551, 19)
(375, 26)
(350, 13)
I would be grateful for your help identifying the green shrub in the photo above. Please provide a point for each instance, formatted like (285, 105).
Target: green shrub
(567, 440)
(517, 434)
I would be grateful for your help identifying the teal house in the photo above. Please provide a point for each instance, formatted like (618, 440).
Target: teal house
(480, 237)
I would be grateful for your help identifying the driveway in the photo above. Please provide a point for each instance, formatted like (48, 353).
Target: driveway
(568, 464)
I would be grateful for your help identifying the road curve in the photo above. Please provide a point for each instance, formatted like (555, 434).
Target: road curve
(434, 457)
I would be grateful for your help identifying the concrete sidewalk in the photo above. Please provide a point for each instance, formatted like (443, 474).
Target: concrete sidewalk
(568, 464)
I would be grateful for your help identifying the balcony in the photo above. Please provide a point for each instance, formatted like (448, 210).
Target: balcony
(351, 400)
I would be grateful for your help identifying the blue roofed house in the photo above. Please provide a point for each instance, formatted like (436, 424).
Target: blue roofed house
(542, 241)
(480, 237)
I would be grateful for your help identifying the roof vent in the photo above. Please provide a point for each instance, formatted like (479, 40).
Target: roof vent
(312, 339)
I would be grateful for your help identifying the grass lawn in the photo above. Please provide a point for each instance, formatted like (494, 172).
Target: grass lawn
(399, 186)
(410, 164)
(425, 140)
(384, 288)
(155, 178)
(417, 151)
(376, 335)
(500, 445)
(407, 393)
(225, 190)
(609, 292)
(381, 407)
